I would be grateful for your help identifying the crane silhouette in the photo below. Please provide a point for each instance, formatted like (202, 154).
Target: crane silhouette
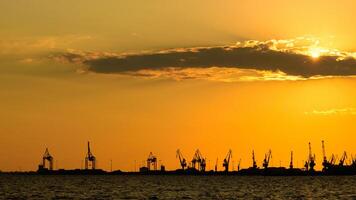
(182, 161)
(226, 161)
(47, 157)
(90, 159)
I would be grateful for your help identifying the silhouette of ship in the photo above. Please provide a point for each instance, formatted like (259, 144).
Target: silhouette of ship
(197, 166)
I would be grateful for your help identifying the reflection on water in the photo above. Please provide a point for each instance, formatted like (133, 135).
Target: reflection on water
(175, 187)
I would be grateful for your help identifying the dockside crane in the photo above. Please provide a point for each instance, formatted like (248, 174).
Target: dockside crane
(254, 164)
(332, 159)
(216, 165)
(227, 161)
(238, 165)
(151, 160)
(268, 156)
(311, 159)
(195, 160)
(326, 163)
(200, 160)
(182, 161)
(324, 152)
(202, 163)
(90, 159)
(342, 159)
(353, 161)
(47, 157)
(291, 160)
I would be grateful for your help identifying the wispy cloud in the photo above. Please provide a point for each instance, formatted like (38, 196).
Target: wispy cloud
(213, 74)
(28, 45)
(334, 111)
(294, 59)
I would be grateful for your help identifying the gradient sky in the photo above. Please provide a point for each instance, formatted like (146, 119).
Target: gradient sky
(62, 81)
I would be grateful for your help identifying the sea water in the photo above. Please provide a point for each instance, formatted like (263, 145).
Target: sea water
(175, 187)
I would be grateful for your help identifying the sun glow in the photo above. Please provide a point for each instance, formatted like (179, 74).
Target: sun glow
(315, 52)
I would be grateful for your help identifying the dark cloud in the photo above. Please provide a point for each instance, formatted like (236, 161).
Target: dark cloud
(258, 57)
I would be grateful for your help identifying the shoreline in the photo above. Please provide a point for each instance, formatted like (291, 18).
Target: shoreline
(242, 172)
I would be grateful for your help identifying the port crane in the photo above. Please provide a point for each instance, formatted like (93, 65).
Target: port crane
(200, 160)
(238, 165)
(227, 161)
(353, 160)
(202, 163)
(342, 159)
(151, 160)
(47, 157)
(326, 163)
(90, 159)
(268, 156)
(310, 163)
(194, 160)
(182, 161)
(254, 165)
(332, 160)
(216, 165)
(291, 160)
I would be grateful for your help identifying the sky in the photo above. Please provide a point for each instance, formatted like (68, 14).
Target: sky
(137, 76)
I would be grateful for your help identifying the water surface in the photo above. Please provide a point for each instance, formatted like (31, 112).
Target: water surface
(175, 187)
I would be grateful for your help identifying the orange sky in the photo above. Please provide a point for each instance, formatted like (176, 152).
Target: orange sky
(61, 105)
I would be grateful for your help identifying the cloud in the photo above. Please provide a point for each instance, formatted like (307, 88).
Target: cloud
(291, 58)
(335, 111)
(31, 45)
(213, 74)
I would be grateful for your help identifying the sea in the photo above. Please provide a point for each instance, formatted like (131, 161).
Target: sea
(175, 187)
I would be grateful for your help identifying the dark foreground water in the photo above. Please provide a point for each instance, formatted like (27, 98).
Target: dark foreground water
(175, 187)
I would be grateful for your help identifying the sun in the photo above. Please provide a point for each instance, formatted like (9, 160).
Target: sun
(314, 53)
